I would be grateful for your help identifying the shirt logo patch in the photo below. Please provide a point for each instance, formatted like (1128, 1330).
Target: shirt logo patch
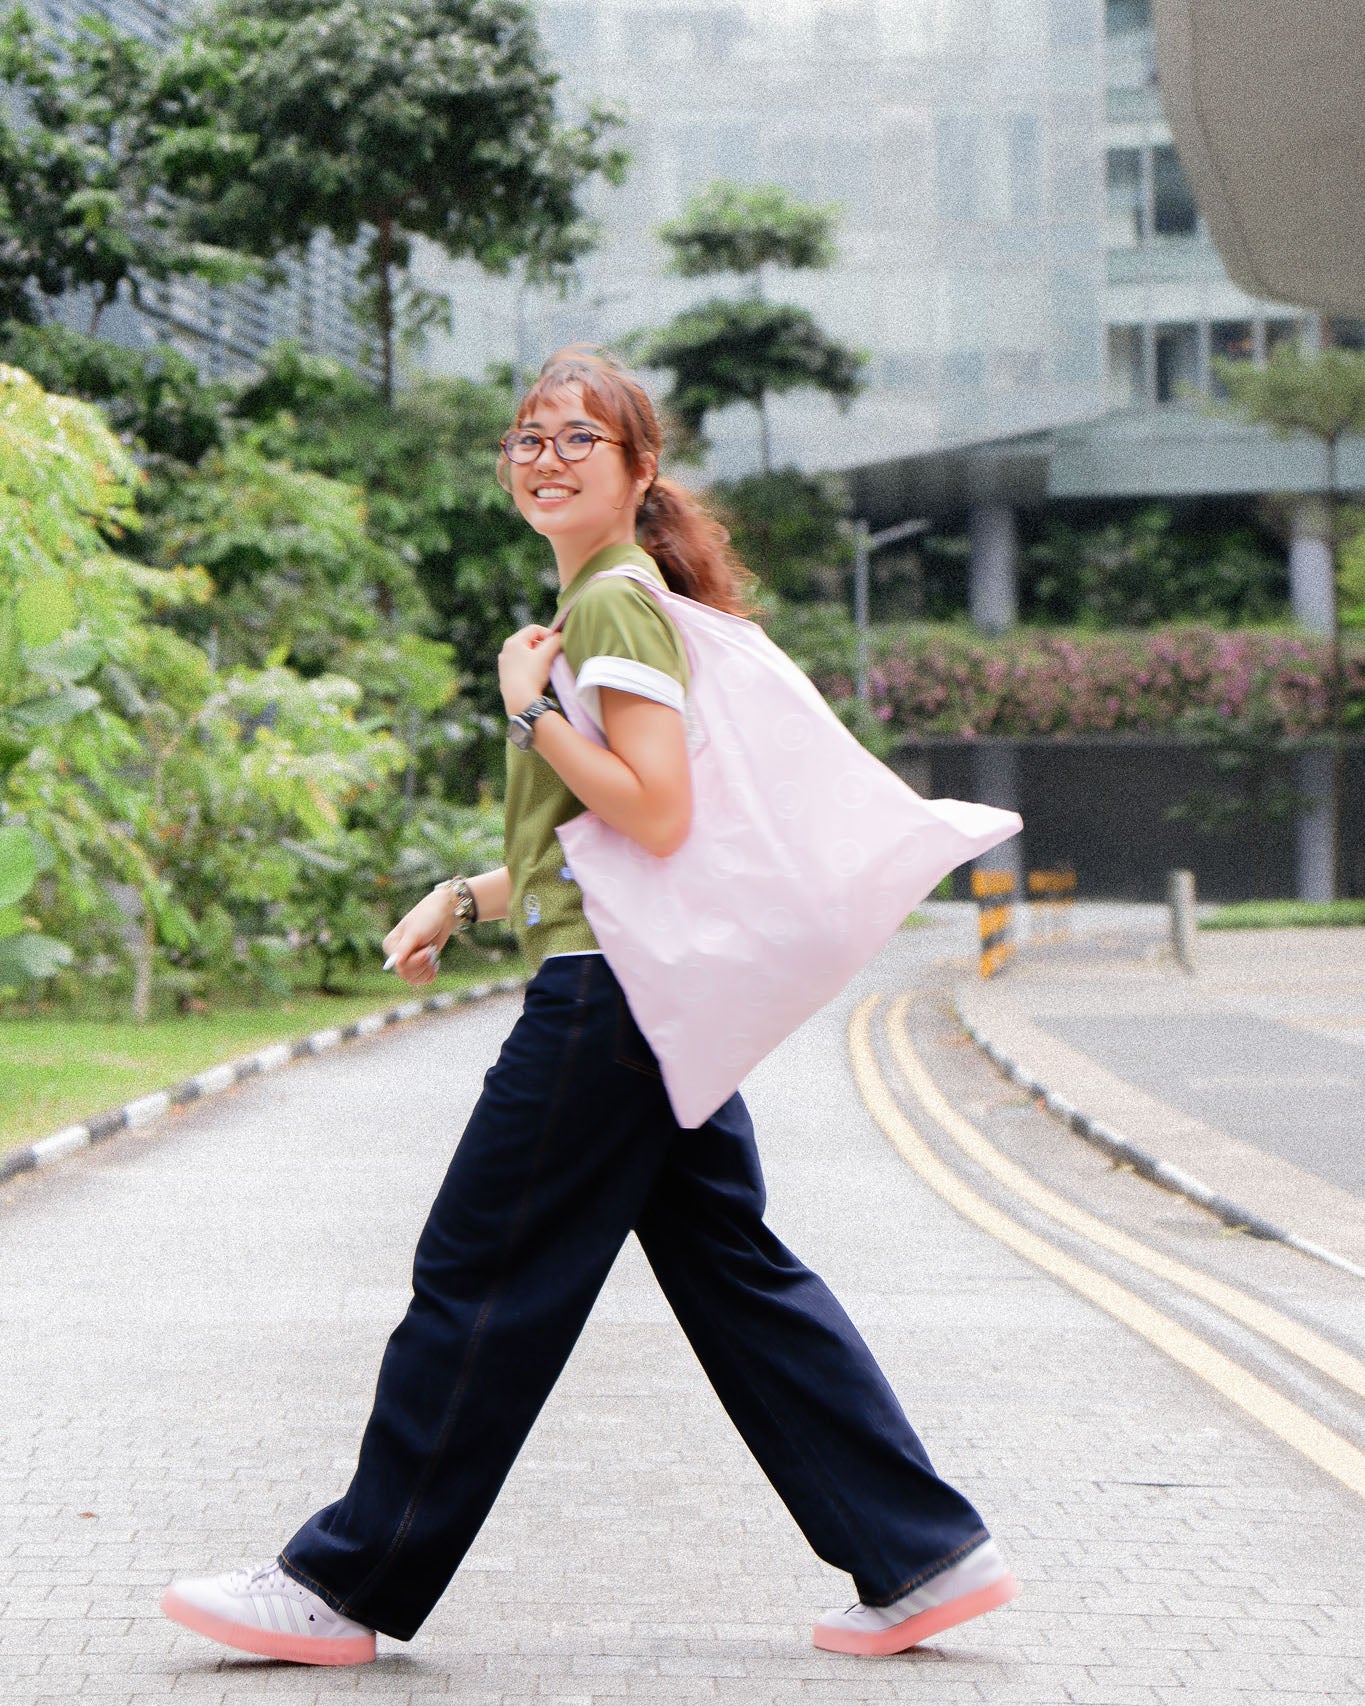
(565, 874)
(532, 910)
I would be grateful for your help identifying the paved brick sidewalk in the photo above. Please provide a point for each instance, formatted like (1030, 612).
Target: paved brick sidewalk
(195, 1315)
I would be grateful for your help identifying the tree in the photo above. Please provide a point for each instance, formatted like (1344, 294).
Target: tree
(725, 352)
(1141, 569)
(728, 229)
(297, 578)
(427, 467)
(82, 173)
(1322, 397)
(419, 118)
(153, 395)
(787, 527)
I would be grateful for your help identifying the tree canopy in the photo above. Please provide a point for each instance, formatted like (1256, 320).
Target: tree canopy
(724, 352)
(1323, 395)
(728, 228)
(83, 169)
(419, 118)
(743, 352)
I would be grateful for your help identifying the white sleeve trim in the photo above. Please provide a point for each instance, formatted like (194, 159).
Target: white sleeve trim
(630, 677)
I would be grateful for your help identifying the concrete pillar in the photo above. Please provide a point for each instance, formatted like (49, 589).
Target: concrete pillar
(1315, 832)
(994, 593)
(995, 782)
(1310, 567)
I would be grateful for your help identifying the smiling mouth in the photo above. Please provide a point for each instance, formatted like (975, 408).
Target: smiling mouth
(552, 494)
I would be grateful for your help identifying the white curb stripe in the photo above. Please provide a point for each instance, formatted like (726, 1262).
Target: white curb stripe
(61, 1143)
(215, 1079)
(146, 1108)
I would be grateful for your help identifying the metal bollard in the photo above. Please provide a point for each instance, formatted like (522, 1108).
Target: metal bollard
(1180, 895)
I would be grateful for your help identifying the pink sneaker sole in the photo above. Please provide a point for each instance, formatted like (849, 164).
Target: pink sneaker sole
(922, 1625)
(299, 1649)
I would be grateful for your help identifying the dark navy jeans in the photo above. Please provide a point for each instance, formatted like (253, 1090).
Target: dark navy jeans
(571, 1146)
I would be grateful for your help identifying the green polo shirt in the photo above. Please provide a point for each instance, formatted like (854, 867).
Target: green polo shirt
(616, 635)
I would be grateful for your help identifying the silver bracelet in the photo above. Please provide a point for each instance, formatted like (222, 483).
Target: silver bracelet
(466, 907)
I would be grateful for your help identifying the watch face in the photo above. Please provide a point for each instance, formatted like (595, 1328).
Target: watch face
(519, 734)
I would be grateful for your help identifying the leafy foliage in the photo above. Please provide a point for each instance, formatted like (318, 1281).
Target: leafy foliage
(430, 118)
(233, 801)
(297, 577)
(83, 173)
(928, 679)
(1322, 395)
(787, 527)
(723, 353)
(728, 228)
(1133, 573)
(153, 396)
(427, 466)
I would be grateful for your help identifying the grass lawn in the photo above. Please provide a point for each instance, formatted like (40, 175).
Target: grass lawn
(61, 1067)
(1282, 914)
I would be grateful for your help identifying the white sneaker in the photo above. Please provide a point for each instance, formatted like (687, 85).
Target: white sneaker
(264, 1611)
(979, 1583)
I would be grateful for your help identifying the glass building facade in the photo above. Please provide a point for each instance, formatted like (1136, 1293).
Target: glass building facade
(1169, 306)
(223, 329)
(964, 143)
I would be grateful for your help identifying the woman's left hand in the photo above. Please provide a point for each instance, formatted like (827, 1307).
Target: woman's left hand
(524, 665)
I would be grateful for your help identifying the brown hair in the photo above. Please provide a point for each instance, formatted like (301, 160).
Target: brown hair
(688, 543)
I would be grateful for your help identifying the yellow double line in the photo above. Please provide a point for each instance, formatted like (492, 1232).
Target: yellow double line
(1320, 1444)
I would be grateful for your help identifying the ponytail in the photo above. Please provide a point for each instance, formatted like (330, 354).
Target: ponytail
(688, 543)
(692, 549)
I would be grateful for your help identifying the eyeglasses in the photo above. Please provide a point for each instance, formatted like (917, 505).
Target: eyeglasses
(571, 444)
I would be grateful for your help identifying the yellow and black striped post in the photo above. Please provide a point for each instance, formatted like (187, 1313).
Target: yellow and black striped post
(993, 892)
(1051, 894)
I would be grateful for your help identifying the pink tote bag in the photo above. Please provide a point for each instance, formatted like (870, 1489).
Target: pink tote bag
(804, 857)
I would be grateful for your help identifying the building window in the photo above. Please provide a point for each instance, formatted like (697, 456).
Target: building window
(1073, 23)
(1281, 333)
(1346, 334)
(965, 368)
(1127, 204)
(1127, 382)
(958, 140)
(1025, 168)
(1127, 18)
(1174, 213)
(1177, 361)
(902, 371)
(1229, 340)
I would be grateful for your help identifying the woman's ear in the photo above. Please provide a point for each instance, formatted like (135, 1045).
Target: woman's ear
(649, 472)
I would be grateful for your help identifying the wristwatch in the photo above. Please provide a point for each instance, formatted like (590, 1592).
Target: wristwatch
(521, 727)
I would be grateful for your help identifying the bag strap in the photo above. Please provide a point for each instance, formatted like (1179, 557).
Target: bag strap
(623, 570)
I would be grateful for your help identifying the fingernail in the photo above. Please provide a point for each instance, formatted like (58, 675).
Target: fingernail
(388, 963)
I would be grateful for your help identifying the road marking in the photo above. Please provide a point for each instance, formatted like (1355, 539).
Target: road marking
(1304, 1433)
(1300, 1341)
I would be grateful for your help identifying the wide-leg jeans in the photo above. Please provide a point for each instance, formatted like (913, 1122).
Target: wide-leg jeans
(573, 1144)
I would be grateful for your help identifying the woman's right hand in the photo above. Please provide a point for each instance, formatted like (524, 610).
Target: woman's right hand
(415, 942)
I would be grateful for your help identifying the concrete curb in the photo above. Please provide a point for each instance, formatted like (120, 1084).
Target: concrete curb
(215, 1079)
(1150, 1166)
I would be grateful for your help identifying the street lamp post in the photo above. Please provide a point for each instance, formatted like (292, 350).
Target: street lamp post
(865, 543)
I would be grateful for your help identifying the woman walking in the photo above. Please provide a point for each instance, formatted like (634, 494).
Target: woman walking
(573, 1144)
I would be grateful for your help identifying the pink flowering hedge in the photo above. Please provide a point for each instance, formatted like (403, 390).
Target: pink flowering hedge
(949, 682)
